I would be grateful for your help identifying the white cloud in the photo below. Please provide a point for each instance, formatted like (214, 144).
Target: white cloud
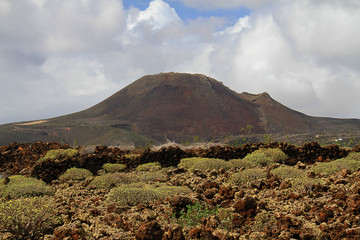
(74, 53)
(158, 15)
(61, 26)
(214, 4)
(78, 76)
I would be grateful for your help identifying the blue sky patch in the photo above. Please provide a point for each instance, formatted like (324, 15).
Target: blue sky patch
(186, 13)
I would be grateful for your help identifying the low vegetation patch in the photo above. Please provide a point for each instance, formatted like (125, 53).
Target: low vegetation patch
(194, 215)
(28, 218)
(330, 168)
(110, 180)
(259, 158)
(153, 166)
(150, 176)
(60, 154)
(288, 172)
(243, 163)
(20, 186)
(306, 182)
(275, 154)
(168, 191)
(114, 167)
(204, 164)
(248, 175)
(75, 174)
(354, 156)
(131, 196)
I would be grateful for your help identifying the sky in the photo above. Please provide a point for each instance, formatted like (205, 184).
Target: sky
(62, 56)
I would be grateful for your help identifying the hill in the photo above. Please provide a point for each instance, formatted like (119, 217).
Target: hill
(177, 107)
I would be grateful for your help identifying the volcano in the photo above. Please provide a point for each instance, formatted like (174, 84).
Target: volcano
(176, 107)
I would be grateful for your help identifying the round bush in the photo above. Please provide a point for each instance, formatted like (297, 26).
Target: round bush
(168, 191)
(247, 175)
(132, 196)
(275, 154)
(20, 186)
(204, 164)
(243, 163)
(288, 172)
(150, 176)
(60, 154)
(259, 159)
(75, 174)
(28, 218)
(114, 167)
(110, 180)
(153, 166)
(329, 168)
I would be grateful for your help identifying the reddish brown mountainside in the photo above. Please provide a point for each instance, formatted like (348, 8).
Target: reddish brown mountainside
(179, 106)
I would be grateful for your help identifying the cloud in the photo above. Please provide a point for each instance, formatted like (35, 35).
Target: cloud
(227, 4)
(157, 15)
(58, 57)
(54, 27)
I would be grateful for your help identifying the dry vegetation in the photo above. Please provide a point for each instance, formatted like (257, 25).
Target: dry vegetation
(254, 197)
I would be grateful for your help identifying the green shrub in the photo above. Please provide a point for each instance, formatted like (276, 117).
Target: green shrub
(127, 196)
(306, 182)
(60, 154)
(243, 163)
(247, 175)
(259, 159)
(153, 166)
(204, 163)
(28, 218)
(288, 172)
(75, 174)
(195, 214)
(20, 186)
(114, 167)
(354, 156)
(275, 154)
(110, 180)
(150, 176)
(329, 168)
(168, 191)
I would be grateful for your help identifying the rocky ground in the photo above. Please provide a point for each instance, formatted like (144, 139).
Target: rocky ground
(273, 206)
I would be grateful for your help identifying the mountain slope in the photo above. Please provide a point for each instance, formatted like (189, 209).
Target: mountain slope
(177, 107)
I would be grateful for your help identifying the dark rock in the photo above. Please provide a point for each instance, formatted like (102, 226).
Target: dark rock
(179, 203)
(246, 206)
(149, 231)
(174, 233)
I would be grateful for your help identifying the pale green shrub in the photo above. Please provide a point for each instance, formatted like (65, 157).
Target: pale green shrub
(243, 163)
(247, 175)
(110, 180)
(259, 159)
(329, 168)
(288, 172)
(150, 176)
(28, 218)
(275, 154)
(75, 174)
(127, 196)
(20, 186)
(60, 154)
(204, 164)
(306, 182)
(153, 166)
(354, 156)
(168, 191)
(114, 167)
